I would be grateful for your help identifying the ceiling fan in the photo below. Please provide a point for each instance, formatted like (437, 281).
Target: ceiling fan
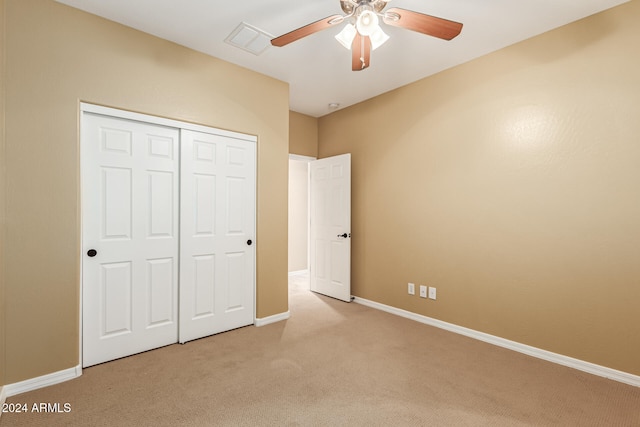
(362, 34)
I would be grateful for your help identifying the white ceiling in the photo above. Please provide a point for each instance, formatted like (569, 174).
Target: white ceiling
(317, 67)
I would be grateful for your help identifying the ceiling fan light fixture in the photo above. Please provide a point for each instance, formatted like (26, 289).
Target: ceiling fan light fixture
(378, 38)
(346, 36)
(392, 16)
(367, 23)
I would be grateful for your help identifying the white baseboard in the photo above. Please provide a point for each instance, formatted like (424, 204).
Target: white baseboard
(592, 368)
(3, 398)
(43, 381)
(298, 273)
(272, 319)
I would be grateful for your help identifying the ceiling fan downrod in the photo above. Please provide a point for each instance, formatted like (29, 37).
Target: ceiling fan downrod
(349, 6)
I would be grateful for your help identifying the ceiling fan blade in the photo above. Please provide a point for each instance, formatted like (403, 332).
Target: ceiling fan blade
(301, 32)
(360, 52)
(425, 24)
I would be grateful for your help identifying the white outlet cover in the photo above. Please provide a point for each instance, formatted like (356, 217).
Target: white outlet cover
(423, 291)
(411, 288)
(432, 293)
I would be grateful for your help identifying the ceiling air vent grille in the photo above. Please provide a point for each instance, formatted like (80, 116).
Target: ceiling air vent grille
(249, 38)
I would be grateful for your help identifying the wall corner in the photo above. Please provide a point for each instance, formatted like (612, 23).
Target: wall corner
(3, 181)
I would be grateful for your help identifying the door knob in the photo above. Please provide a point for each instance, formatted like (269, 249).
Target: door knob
(92, 253)
(343, 235)
(249, 242)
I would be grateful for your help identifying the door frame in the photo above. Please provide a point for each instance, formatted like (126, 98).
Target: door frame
(154, 120)
(307, 160)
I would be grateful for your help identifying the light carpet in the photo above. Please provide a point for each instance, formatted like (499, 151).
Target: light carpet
(333, 364)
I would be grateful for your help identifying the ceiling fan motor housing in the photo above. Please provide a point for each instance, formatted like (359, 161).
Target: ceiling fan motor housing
(349, 6)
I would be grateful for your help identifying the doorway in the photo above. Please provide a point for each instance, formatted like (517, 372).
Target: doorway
(299, 214)
(320, 223)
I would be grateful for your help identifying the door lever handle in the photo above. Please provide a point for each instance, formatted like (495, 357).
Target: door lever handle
(344, 236)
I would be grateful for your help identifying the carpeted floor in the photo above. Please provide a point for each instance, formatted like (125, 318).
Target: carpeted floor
(333, 364)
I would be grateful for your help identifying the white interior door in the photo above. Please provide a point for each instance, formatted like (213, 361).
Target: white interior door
(330, 228)
(130, 237)
(217, 250)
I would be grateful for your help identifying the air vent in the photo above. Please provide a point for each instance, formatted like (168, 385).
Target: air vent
(249, 38)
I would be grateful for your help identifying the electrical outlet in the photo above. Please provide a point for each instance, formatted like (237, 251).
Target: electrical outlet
(411, 289)
(423, 291)
(432, 292)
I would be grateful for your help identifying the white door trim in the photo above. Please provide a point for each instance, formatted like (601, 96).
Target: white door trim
(124, 114)
(156, 120)
(302, 158)
(308, 160)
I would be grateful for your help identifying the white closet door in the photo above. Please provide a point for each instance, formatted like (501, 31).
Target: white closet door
(217, 226)
(130, 237)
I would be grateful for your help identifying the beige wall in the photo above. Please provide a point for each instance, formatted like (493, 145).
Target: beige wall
(303, 134)
(303, 140)
(2, 200)
(298, 215)
(56, 57)
(512, 184)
